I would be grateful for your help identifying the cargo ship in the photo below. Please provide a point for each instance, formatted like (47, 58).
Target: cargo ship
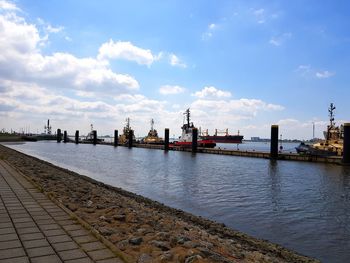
(225, 138)
(185, 140)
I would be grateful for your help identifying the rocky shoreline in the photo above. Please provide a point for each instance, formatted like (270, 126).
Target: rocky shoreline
(143, 229)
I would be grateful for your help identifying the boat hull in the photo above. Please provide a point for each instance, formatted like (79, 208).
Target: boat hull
(200, 143)
(224, 139)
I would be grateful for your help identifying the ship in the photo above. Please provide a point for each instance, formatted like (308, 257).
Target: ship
(90, 137)
(332, 145)
(185, 140)
(45, 136)
(124, 138)
(226, 138)
(152, 136)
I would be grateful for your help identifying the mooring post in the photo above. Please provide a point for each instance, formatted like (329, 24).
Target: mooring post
(94, 133)
(76, 136)
(65, 138)
(115, 138)
(131, 135)
(59, 135)
(166, 139)
(346, 144)
(194, 139)
(274, 142)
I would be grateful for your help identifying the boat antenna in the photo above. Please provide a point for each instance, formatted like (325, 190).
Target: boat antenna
(331, 114)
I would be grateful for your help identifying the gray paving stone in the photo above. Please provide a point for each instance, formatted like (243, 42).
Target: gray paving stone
(7, 231)
(110, 260)
(46, 259)
(59, 239)
(8, 237)
(11, 253)
(101, 254)
(35, 243)
(10, 244)
(16, 260)
(65, 246)
(73, 227)
(49, 227)
(32, 236)
(80, 260)
(24, 225)
(40, 251)
(22, 220)
(93, 246)
(5, 225)
(79, 232)
(28, 230)
(72, 254)
(54, 232)
(84, 239)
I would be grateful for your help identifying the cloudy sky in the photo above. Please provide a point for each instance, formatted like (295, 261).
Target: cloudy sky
(242, 65)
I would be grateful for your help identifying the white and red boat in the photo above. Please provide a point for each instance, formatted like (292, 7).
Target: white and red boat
(185, 139)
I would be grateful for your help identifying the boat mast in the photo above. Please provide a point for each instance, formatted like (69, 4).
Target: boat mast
(152, 123)
(331, 120)
(331, 114)
(128, 123)
(48, 127)
(187, 113)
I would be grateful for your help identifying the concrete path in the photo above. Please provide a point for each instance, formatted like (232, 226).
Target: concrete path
(34, 229)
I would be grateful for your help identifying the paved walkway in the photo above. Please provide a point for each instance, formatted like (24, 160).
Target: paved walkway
(34, 229)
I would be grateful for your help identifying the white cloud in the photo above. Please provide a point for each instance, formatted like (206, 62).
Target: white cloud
(309, 72)
(324, 74)
(210, 31)
(175, 61)
(279, 40)
(23, 61)
(169, 89)
(127, 51)
(52, 29)
(260, 15)
(6, 5)
(212, 93)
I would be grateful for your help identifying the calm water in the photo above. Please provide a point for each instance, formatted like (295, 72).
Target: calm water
(302, 206)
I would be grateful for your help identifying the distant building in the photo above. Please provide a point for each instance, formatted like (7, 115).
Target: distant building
(255, 139)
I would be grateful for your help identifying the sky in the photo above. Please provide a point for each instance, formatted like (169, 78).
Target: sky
(241, 65)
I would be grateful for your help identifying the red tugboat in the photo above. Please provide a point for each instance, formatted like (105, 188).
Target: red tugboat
(186, 138)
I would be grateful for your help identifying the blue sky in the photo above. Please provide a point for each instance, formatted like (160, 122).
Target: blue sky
(242, 65)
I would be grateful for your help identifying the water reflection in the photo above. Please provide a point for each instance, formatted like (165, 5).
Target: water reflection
(304, 206)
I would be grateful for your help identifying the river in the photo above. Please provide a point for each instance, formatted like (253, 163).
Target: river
(302, 206)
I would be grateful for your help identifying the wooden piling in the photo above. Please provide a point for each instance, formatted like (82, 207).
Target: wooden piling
(346, 144)
(94, 133)
(130, 139)
(76, 136)
(65, 137)
(274, 142)
(194, 139)
(59, 135)
(115, 138)
(166, 139)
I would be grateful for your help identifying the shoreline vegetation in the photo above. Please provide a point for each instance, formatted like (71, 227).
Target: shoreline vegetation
(144, 230)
